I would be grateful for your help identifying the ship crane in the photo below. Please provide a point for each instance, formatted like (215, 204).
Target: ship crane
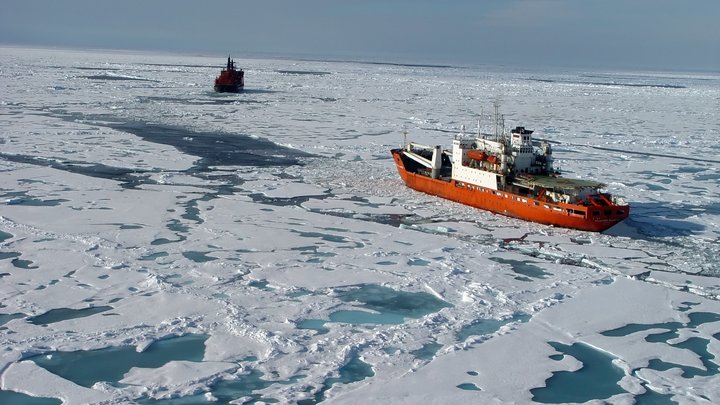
(434, 164)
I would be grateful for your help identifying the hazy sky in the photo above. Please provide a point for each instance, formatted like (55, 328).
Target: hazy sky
(655, 34)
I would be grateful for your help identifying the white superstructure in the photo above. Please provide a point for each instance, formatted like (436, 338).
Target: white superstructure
(473, 171)
(487, 163)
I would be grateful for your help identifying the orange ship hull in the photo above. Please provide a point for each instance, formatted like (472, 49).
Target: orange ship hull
(575, 216)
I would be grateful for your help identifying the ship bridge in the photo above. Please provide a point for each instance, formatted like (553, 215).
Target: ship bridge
(524, 158)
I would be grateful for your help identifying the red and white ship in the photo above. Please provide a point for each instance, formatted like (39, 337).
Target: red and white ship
(230, 80)
(509, 174)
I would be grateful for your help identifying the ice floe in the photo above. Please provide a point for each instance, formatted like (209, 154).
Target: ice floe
(270, 232)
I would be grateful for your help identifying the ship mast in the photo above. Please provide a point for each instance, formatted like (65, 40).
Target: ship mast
(499, 122)
(480, 135)
(496, 107)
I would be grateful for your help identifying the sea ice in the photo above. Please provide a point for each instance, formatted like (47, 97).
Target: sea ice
(128, 183)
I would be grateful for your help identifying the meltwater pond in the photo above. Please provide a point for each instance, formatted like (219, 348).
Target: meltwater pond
(427, 351)
(63, 314)
(87, 367)
(5, 318)
(242, 388)
(695, 344)
(314, 324)
(597, 379)
(525, 270)
(227, 391)
(366, 318)
(354, 370)
(488, 326)
(695, 319)
(379, 306)
(17, 398)
(4, 236)
(392, 303)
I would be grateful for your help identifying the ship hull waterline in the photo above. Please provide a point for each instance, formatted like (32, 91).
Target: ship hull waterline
(228, 88)
(512, 205)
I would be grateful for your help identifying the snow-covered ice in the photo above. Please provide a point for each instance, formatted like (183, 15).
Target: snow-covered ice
(272, 224)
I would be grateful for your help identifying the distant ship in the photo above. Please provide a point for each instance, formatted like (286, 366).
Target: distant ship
(509, 174)
(230, 79)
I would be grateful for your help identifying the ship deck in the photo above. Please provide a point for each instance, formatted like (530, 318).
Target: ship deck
(556, 183)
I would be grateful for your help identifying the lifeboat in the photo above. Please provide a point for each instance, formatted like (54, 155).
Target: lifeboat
(477, 155)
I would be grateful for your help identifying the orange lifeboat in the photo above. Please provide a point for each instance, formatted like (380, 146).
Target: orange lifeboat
(477, 155)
